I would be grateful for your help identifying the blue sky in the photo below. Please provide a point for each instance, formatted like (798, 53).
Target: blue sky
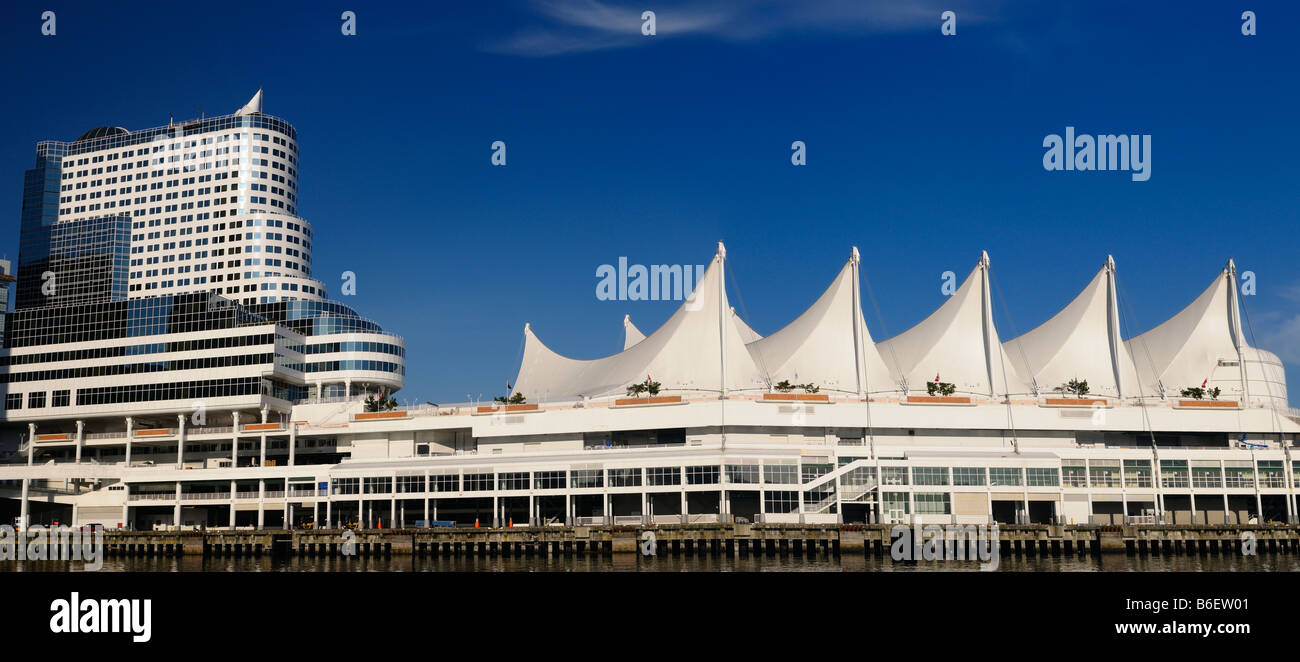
(922, 150)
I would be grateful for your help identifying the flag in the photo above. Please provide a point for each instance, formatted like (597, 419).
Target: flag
(936, 376)
(1207, 381)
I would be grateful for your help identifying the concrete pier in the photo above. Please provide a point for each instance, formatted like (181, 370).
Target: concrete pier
(807, 540)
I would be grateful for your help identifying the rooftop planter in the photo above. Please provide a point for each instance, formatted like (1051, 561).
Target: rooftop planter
(796, 397)
(644, 402)
(1208, 404)
(262, 427)
(492, 409)
(938, 400)
(1075, 402)
(378, 415)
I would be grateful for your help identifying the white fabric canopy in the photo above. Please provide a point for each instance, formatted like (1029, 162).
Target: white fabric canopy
(746, 333)
(631, 334)
(828, 345)
(685, 354)
(1082, 341)
(958, 343)
(819, 346)
(1204, 343)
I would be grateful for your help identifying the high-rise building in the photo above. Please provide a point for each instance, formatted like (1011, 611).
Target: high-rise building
(162, 271)
(209, 206)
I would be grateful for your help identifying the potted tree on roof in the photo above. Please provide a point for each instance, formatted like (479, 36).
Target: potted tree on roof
(1077, 390)
(1198, 393)
(512, 402)
(942, 389)
(650, 387)
(939, 392)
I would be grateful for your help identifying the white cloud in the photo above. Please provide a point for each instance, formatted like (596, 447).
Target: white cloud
(591, 25)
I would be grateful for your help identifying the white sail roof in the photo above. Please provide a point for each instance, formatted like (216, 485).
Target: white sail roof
(631, 334)
(1082, 341)
(747, 334)
(828, 345)
(253, 106)
(685, 354)
(958, 342)
(1204, 343)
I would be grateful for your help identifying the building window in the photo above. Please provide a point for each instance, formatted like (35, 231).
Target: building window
(61, 398)
(893, 475)
(779, 501)
(742, 473)
(625, 477)
(379, 485)
(347, 485)
(514, 481)
(859, 476)
(811, 472)
(445, 482)
(549, 480)
(479, 482)
(1207, 477)
(1074, 475)
(14, 401)
(1137, 473)
(1173, 473)
(36, 400)
(932, 503)
(410, 484)
(929, 476)
(968, 476)
(702, 475)
(1270, 473)
(1104, 475)
(894, 505)
(663, 475)
(1005, 477)
(1042, 477)
(588, 478)
(781, 474)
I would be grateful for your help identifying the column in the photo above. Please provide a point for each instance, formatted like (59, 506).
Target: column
(426, 512)
(264, 413)
(329, 516)
(31, 449)
(347, 389)
(496, 508)
(234, 439)
(261, 503)
(233, 493)
(81, 440)
(293, 440)
(176, 510)
(130, 430)
(180, 444)
(1192, 493)
(261, 458)
(22, 508)
(126, 513)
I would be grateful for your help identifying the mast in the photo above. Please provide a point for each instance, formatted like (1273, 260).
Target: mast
(855, 259)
